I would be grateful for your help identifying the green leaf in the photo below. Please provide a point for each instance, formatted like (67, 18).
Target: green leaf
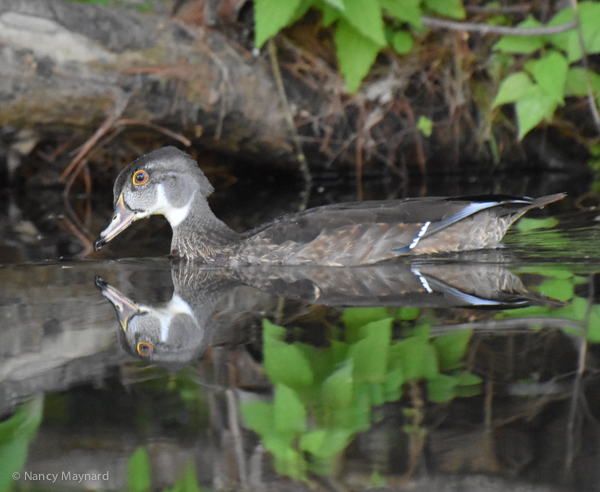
(329, 14)
(188, 482)
(287, 460)
(365, 17)
(550, 72)
(355, 53)
(407, 313)
(15, 435)
(337, 4)
(402, 42)
(559, 289)
(325, 443)
(425, 125)
(271, 16)
(258, 416)
(567, 41)
(528, 225)
(449, 8)
(404, 10)
(576, 84)
(354, 318)
(416, 357)
(337, 388)
(289, 412)
(451, 348)
(522, 44)
(284, 363)
(589, 15)
(533, 108)
(393, 384)
(593, 334)
(370, 353)
(139, 477)
(466, 378)
(512, 88)
(441, 388)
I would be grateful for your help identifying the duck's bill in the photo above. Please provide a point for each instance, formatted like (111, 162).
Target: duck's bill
(121, 220)
(124, 306)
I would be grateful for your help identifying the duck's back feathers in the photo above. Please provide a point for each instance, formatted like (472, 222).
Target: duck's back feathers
(367, 232)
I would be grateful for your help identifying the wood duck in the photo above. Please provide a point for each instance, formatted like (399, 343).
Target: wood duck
(169, 182)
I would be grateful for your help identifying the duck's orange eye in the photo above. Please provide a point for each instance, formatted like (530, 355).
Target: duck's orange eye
(145, 349)
(140, 177)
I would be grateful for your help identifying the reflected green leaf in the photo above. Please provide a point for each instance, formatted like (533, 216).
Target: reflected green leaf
(337, 388)
(527, 225)
(325, 443)
(15, 435)
(354, 318)
(441, 388)
(139, 477)
(451, 348)
(370, 353)
(289, 412)
(559, 289)
(258, 416)
(416, 357)
(284, 363)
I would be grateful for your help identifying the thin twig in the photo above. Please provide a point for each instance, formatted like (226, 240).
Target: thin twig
(504, 30)
(287, 113)
(577, 392)
(510, 324)
(120, 105)
(158, 128)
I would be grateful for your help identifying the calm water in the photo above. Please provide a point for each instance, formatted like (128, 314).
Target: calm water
(472, 372)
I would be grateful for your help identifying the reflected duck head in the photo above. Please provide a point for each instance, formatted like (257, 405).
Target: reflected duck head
(168, 335)
(164, 182)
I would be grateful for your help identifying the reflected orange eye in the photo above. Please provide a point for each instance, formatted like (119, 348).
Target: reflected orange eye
(140, 177)
(144, 349)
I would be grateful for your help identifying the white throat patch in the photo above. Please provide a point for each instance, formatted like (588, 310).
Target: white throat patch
(174, 215)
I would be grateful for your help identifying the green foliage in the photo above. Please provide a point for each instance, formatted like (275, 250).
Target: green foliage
(545, 81)
(139, 478)
(16, 434)
(315, 414)
(360, 31)
(425, 125)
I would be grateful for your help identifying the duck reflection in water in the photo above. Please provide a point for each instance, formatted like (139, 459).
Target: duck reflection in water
(177, 333)
(170, 183)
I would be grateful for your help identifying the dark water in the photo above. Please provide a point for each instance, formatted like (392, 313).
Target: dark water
(474, 372)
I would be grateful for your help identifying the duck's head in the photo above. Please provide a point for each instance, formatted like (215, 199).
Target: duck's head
(163, 182)
(169, 335)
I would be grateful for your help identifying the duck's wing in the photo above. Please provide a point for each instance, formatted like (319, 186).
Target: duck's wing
(366, 232)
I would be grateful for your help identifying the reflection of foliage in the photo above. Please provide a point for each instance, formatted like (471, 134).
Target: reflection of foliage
(15, 435)
(560, 240)
(560, 283)
(323, 397)
(139, 478)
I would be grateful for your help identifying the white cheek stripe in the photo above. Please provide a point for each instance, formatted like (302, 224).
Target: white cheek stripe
(174, 215)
